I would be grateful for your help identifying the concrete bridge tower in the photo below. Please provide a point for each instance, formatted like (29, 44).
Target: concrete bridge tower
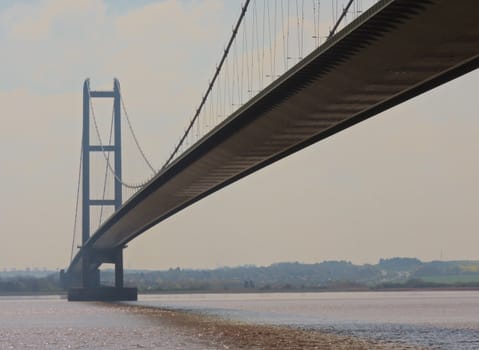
(85, 285)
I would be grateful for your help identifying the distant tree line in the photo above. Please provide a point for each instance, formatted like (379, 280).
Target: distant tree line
(329, 275)
(21, 284)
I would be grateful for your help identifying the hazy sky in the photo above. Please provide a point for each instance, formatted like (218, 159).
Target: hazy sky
(404, 183)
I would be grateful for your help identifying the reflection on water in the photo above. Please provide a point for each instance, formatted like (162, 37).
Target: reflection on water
(440, 320)
(52, 323)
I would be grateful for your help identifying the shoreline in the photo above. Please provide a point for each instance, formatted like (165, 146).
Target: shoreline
(231, 334)
(260, 291)
(332, 290)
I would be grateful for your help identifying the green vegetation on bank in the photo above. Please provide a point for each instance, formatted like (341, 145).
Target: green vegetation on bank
(395, 273)
(417, 283)
(30, 285)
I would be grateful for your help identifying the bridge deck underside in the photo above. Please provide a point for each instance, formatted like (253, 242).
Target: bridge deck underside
(395, 51)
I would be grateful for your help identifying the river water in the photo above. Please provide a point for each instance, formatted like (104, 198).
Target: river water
(437, 320)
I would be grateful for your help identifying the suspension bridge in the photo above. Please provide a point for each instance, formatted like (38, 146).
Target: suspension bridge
(288, 77)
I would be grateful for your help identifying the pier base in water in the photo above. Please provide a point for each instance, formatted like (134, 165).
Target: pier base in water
(103, 294)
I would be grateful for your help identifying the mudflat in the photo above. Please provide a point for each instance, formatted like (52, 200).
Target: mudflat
(226, 334)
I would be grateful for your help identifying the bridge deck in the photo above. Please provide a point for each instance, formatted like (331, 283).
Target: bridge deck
(393, 52)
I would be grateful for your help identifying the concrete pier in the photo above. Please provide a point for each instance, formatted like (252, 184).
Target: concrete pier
(103, 294)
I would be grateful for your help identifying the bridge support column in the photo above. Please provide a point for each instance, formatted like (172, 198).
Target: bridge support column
(119, 269)
(91, 289)
(90, 275)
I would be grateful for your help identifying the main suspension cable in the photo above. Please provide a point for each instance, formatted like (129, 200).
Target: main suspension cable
(210, 85)
(134, 136)
(105, 179)
(77, 201)
(338, 22)
(128, 185)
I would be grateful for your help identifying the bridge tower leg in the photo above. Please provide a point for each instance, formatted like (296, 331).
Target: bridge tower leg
(92, 258)
(119, 269)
